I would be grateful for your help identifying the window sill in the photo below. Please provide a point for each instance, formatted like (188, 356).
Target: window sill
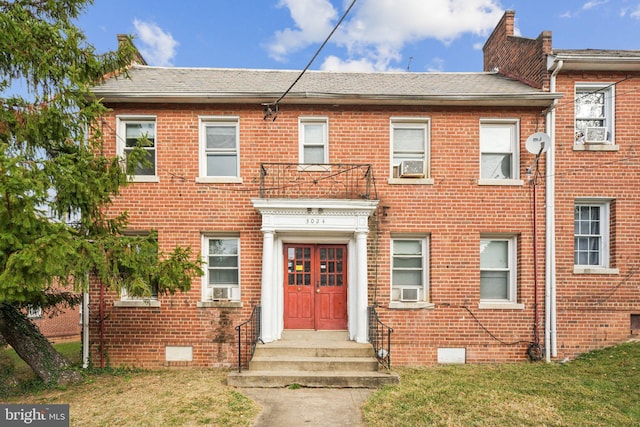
(137, 303)
(411, 181)
(218, 180)
(144, 178)
(500, 306)
(219, 304)
(579, 269)
(512, 182)
(400, 305)
(595, 147)
(314, 168)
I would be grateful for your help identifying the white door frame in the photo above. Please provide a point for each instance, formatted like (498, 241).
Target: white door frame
(314, 221)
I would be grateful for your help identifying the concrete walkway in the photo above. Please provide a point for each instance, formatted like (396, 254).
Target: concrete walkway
(309, 406)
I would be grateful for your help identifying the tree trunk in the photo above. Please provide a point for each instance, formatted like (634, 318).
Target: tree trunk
(32, 347)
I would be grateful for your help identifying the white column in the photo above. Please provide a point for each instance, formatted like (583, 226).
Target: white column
(268, 290)
(361, 287)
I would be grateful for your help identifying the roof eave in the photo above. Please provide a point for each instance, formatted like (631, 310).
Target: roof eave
(498, 99)
(594, 63)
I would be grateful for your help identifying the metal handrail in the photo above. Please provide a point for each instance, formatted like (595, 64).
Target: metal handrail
(252, 332)
(380, 338)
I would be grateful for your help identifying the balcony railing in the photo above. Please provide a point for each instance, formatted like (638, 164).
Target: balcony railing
(316, 181)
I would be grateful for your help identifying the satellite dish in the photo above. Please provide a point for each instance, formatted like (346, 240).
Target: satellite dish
(538, 143)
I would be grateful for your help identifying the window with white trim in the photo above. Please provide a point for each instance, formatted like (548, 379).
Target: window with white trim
(221, 281)
(34, 312)
(591, 233)
(313, 137)
(499, 157)
(410, 148)
(219, 152)
(140, 258)
(140, 132)
(594, 113)
(409, 269)
(498, 269)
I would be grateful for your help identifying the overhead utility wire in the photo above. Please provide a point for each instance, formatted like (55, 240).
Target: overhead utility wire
(268, 109)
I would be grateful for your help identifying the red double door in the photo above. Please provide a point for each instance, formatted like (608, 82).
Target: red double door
(315, 287)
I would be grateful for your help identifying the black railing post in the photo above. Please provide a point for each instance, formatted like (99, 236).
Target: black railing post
(252, 336)
(377, 332)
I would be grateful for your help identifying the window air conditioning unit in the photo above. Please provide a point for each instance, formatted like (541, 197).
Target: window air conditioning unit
(220, 293)
(595, 135)
(409, 294)
(412, 169)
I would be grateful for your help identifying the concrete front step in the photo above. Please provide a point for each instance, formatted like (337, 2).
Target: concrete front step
(335, 379)
(313, 364)
(313, 359)
(304, 349)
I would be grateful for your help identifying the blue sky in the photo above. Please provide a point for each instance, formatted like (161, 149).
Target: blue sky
(377, 35)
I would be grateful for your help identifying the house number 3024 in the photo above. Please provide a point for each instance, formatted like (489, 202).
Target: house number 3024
(315, 221)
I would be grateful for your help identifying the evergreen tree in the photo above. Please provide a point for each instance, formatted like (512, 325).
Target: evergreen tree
(55, 183)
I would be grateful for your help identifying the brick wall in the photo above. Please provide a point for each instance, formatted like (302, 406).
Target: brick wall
(64, 325)
(454, 211)
(594, 310)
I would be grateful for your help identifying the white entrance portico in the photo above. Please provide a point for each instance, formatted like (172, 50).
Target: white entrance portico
(326, 221)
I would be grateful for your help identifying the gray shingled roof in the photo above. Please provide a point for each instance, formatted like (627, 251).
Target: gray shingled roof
(243, 85)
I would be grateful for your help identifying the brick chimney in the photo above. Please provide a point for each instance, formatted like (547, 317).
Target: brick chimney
(125, 39)
(519, 58)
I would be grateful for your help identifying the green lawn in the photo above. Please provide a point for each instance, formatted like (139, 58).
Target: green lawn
(601, 388)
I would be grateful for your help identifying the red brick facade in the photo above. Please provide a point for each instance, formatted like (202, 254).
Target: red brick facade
(595, 309)
(452, 212)
(600, 306)
(60, 326)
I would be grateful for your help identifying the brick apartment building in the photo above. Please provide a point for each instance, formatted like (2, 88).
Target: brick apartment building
(415, 193)
(62, 325)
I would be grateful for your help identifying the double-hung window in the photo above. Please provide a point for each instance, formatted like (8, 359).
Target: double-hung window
(219, 148)
(34, 312)
(591, 234)
(409, 270)
(221, 281)
(139, 131)
(409, 149)
(137, 255)
(499, 154)
(314, 140)
(498, 272)
(594, 115)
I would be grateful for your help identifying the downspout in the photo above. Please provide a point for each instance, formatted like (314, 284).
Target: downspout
(101, 317)
(550, 337)
(85, 330)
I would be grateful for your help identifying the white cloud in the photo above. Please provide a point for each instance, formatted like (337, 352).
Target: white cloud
(437, 65)
(377, 30)
(593, 3)
(158, 47)
(333, 63)
(313, 20)
(636, 12)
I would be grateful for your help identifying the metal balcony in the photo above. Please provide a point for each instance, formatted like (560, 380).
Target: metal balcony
(316, 181)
